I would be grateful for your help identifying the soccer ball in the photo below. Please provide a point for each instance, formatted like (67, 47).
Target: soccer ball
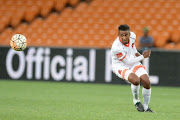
(18, 42)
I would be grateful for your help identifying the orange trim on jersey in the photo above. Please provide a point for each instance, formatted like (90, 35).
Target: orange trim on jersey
(123, 73)
(137, 67)
(122, 58)
(127, 45)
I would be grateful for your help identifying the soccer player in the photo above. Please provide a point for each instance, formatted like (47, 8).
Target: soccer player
(126, 65)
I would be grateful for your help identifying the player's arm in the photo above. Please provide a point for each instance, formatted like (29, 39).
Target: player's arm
(137, 59)
(133, 60)
(123, 58)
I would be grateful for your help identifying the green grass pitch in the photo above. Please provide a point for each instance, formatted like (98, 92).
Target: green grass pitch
(23, 100)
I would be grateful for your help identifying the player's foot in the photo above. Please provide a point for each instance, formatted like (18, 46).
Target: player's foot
(139, 107)
(149, 110)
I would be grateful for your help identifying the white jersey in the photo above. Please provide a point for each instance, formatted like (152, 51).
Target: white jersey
(120, 51)
(124, 60)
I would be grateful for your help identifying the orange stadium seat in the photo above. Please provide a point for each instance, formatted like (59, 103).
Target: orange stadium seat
(81, 7)
(31, 12)
(46, 7)
(175, 36)
(17, 20)
(5, 37)
(59, 4)
(89, 24)
(73, 2)
(170, 46)
(177, 46)
(4, 21)
(21, 29)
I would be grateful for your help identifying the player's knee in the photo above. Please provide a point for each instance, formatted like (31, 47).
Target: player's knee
(145, 81)
(136, 82)
(134, 79)
(147, 84)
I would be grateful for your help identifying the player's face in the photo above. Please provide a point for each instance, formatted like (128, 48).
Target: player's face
(124, 36)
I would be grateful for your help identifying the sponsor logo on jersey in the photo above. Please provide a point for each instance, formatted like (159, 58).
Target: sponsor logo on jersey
(119, 55)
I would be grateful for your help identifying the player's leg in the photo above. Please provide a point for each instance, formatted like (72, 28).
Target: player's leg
(135, 86)
(146, 90)
(132, 78)
(145, 81)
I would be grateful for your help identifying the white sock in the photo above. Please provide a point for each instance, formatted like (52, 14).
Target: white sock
(135, 92)
(146, 97)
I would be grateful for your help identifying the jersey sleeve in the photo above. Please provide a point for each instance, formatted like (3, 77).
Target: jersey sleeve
(133, 60)
(121, 56)
(133, 35)
(134, 49)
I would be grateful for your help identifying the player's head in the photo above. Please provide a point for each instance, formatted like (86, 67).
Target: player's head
(124, 33)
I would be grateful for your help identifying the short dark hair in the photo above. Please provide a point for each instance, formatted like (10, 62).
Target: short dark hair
(124, 27)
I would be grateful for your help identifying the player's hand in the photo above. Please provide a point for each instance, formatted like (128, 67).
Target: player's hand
(146, 53)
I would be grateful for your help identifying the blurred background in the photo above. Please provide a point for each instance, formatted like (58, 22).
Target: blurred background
(89, 23)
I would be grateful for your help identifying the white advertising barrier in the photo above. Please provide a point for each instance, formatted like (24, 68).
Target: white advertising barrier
(78, 65)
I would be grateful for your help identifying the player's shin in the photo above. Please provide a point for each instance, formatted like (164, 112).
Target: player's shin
(146, 97)
(135, 92)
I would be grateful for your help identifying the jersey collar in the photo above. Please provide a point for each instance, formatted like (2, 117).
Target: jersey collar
(127, 45)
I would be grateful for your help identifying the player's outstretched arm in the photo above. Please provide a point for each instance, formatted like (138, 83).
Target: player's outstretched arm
(133, 60)
(137, 59)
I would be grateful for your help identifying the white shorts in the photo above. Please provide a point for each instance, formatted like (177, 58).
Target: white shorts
(123, 72)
